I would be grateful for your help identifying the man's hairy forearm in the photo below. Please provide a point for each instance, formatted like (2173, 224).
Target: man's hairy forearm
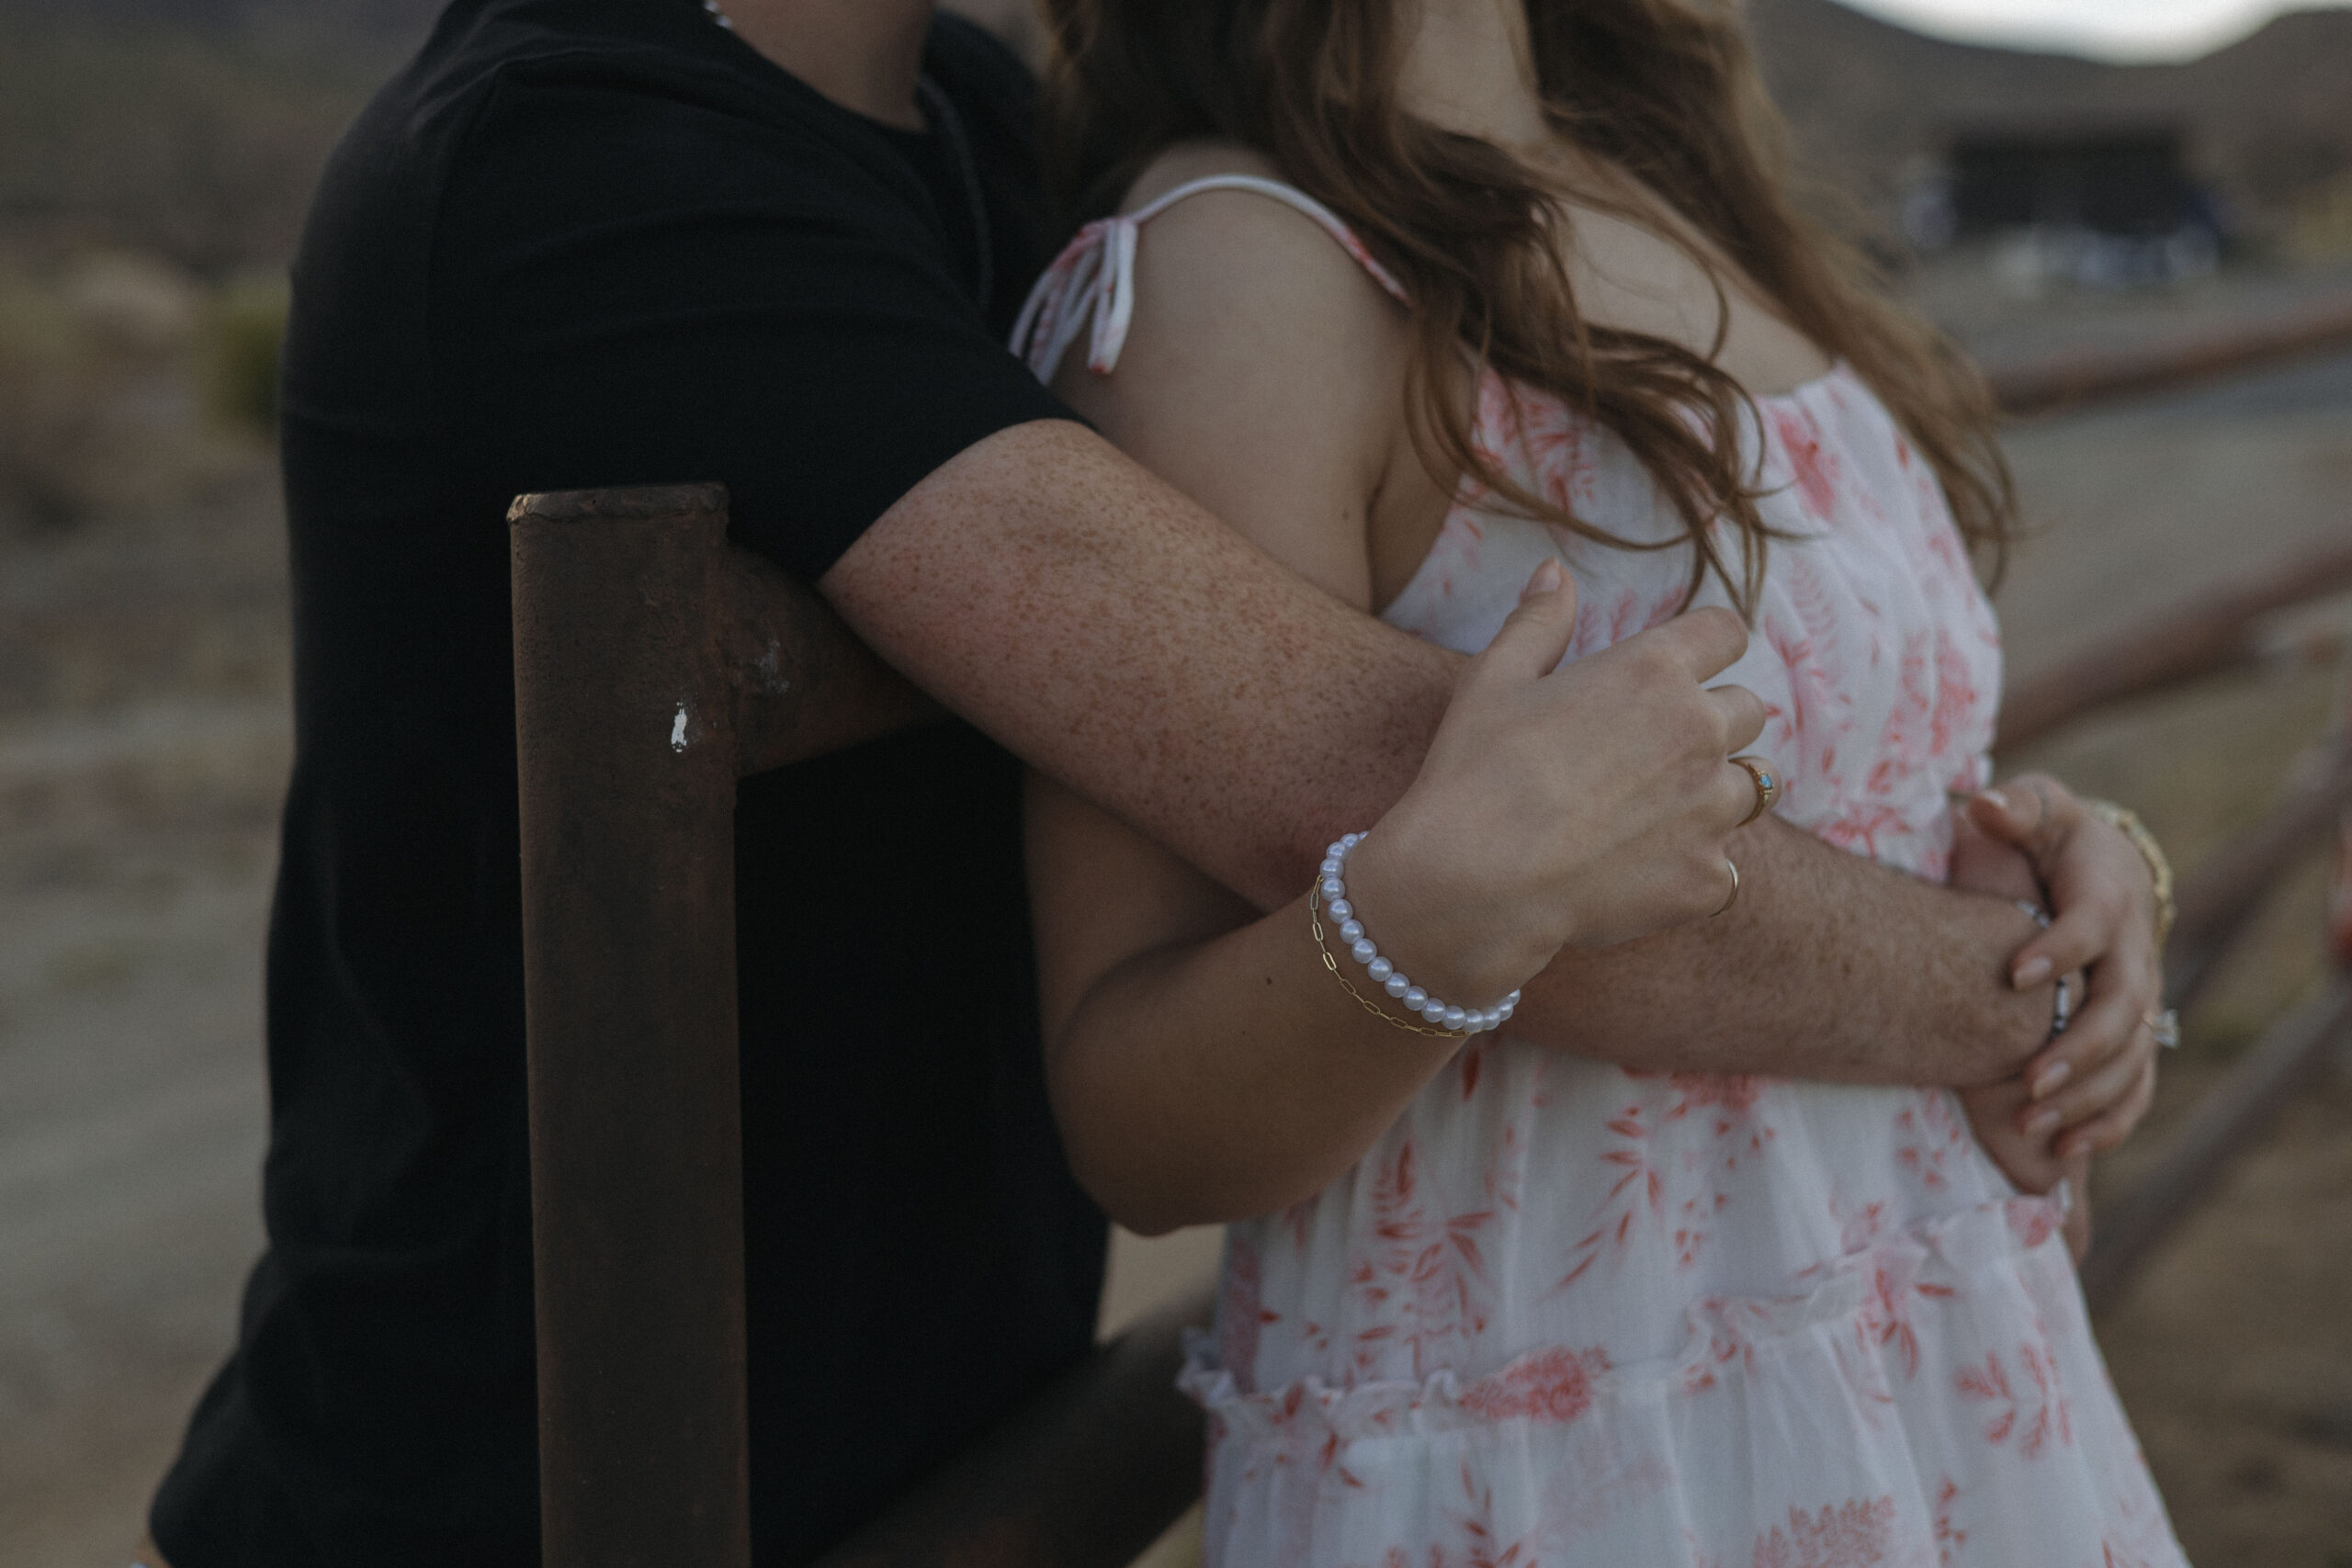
(1828, 967)
(1108, 631)
(1117, 636)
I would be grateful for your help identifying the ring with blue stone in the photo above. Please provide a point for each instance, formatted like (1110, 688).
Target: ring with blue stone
(1768, 785)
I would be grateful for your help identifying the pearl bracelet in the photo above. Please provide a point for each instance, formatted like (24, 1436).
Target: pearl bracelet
(1332, 889)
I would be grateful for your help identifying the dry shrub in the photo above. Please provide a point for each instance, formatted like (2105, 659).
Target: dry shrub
(125, 383)
(243, 336)
(54, 374)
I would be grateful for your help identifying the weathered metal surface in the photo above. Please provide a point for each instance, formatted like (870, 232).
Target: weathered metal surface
(2233, 1114)
(2201, 637)
(802, 683)
(654, 666)
(2076, 377)
(625, 735)
(1086, 1477)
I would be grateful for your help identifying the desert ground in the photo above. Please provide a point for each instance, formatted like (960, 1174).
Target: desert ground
(143, 745)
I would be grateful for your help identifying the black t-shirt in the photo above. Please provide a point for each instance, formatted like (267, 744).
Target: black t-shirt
(584, 242)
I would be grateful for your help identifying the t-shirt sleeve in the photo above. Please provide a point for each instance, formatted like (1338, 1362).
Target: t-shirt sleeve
(634, 285)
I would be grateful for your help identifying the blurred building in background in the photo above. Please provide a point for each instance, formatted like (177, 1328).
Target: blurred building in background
(2102, 206)
(2249, 147)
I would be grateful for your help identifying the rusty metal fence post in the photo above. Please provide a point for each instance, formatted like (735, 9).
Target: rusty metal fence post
(624, 739)
(654, 666)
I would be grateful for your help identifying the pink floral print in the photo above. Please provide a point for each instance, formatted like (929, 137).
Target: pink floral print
(1552, 1385)
(1850, 1535)
(1566, 1315)
(2034, 1412)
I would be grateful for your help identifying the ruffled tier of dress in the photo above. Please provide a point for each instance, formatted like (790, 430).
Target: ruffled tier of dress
(1934, 1399)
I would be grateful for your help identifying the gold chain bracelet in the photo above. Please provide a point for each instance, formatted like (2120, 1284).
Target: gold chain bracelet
(2125, 820)
(1315, 920)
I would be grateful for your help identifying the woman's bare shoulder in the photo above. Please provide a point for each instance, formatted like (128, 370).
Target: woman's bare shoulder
(1262, 370)
(1235, 290)
(1239, 260)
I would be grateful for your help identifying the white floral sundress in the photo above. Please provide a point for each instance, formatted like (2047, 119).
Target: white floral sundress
(1564, 1314)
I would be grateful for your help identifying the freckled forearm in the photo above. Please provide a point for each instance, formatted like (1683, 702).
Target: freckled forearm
(1208, 1083)
(1829, 967)
(1118, 638)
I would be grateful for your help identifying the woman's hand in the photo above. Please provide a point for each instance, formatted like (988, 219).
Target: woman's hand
(1587, 804)
(2032, 1164)
(1982, 864)
(2091, 1084)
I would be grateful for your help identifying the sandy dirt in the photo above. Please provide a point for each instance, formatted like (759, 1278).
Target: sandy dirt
(142, 746)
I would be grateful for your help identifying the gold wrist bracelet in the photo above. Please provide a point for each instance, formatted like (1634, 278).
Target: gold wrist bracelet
(2127, 822)
(1315, 920)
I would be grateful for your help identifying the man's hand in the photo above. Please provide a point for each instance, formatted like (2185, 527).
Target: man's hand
(2089, 1087)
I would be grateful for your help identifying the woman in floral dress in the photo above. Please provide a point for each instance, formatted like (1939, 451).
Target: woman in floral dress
(1544, 359)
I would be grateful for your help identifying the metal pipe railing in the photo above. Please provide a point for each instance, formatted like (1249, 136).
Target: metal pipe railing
(2228, 888)
(2220, 897)
(2227, 1121)
(2200, 637)
(1086, 1476)
(2203, 636)
(2072, 377)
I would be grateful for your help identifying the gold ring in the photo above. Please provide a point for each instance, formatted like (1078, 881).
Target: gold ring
(1733, 866)
(1768, 790)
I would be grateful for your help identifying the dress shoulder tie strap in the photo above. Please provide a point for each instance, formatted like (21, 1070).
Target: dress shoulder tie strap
(1093, 280)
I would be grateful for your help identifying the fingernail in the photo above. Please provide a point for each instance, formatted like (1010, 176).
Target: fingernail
(2042, 1122)
(1546, 580)
(2052, 1078)
(2000, 802)
(2030, 973)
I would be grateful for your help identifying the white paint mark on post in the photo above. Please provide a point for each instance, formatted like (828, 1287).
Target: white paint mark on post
(678, 730)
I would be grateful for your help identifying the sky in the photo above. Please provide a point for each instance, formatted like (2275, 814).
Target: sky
(2109, 29)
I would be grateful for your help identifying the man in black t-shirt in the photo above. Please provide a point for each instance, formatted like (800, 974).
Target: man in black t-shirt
(585, 243)
(580, 242)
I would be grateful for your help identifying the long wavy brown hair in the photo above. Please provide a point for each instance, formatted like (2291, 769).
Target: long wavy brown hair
(1665, 90)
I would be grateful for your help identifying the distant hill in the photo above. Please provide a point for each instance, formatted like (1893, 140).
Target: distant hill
(197, 139)
(2270, 118)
